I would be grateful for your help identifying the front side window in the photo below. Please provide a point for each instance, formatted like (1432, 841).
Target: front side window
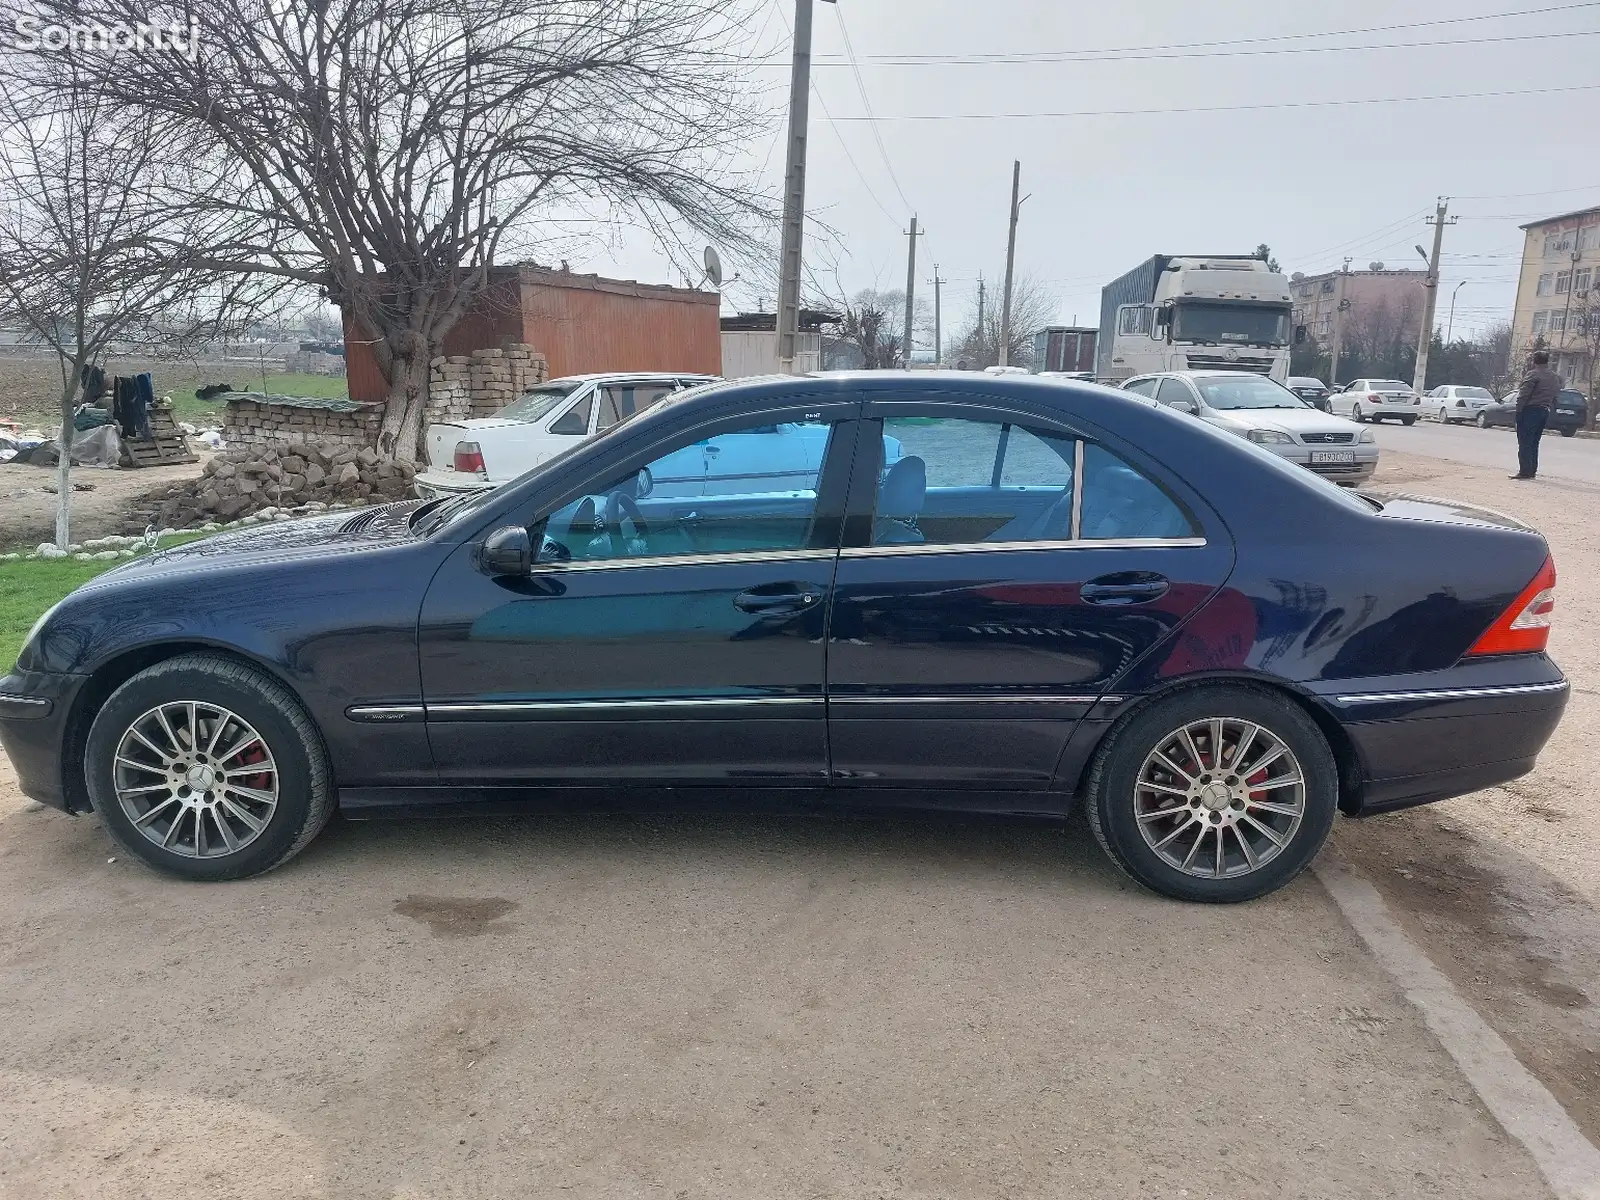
(749, 489)
(575, 421)
(954, 481)
(1175, 394)
(619, 401)
(1135, 319)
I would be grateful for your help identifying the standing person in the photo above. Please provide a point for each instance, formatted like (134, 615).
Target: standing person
(1534, 400)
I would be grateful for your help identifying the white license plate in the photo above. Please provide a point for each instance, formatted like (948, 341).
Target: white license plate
(1333, 456)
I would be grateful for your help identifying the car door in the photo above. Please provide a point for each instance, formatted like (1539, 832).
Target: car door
(658, 638)
(992, 586)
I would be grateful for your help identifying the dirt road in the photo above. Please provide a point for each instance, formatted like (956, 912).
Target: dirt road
(699, 1006)
(28, 511)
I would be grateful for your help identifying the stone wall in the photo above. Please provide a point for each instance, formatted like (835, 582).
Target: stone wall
(255, 422)
(480, 384)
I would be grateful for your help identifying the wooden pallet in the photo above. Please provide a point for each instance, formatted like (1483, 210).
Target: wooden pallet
(168, 446)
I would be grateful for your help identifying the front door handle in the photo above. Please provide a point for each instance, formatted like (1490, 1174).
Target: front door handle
(778, 598)
(1124, 588)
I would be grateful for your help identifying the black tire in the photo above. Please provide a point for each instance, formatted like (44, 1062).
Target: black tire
(1569, 433)
(1110, 791)
(1356, 415)
(305, 794)
(1408, 421)
(1483, 421)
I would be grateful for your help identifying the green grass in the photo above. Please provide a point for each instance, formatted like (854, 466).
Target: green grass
(185, 407)
(29, 587)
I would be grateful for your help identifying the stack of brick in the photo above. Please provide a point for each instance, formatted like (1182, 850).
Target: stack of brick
(255, 421)
(480, 384)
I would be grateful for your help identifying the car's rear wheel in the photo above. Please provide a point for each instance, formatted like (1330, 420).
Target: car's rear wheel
(208, 769)
(1356, 414)
(1408, 421)
(1569, 433)
(1216, 794)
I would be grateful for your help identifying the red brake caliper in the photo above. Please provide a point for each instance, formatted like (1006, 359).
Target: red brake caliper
(254, 754)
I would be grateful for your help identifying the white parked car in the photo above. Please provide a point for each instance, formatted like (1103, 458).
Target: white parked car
(1265, 412)
(1451, 402)
(1375, 400)
(484, 452)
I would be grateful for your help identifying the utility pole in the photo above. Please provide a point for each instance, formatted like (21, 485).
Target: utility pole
(911, 283)
(794, 190)
(1340, 307)
(938, 342)
(1425, 337)
(1011, 255)
(981, 333)
(1450, 326)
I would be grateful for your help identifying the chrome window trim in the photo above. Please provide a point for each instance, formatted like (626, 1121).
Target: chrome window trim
(992, 547)
(1511, 689)
(490, 708)
(698, 560)
(1036, 699)
(383, 712)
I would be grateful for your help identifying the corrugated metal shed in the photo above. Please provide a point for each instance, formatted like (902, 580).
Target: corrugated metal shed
(580, 323)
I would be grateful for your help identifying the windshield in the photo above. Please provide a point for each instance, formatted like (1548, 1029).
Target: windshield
(536, 402)
(1245, 391)
(1251, 324)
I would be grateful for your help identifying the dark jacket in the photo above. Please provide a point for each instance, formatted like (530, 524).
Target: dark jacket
(1538, 390)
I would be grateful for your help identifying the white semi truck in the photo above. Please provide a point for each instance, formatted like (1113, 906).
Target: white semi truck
(1227, 312)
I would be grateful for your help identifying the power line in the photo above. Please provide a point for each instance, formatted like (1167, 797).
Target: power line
(1024, 58)
(1582, 187)
(1289, 37)
(861, 86)
(1218, 108)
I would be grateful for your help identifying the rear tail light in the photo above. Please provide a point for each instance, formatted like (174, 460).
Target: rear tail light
(1524, 627)
(469, 458)
(1375, 397)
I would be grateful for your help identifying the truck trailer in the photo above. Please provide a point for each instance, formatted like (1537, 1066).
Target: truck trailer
(1211, 312)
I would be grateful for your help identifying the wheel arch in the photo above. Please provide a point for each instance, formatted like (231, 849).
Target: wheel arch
(108, 676)
(1352, 774)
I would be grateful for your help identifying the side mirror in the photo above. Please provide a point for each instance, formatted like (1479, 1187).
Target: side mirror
(1299, 334)
(1188, 406)
(507, 551)
(644, 483)
(1158, 322)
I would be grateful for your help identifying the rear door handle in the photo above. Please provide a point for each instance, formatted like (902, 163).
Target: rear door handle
(778, 598)
(1124, 588)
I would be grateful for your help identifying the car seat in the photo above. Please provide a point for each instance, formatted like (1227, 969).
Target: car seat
(900, 501)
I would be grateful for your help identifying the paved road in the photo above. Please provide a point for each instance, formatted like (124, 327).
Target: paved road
(1559, 457)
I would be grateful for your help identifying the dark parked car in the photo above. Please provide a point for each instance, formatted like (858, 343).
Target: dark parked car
(1057, 594)
(1313, 391)
(1570, 414)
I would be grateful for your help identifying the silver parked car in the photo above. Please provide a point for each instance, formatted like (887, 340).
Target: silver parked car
(1270, 415)
(1377, 400)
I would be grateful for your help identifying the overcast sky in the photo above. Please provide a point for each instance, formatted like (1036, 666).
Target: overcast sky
(1105, 191)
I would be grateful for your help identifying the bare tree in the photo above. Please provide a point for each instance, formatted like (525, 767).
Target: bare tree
(388, 152)
(1583, 333)
(1033, 306)
(91, 252)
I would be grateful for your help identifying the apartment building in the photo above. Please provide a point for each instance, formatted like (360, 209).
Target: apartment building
(1316, 297)
(1558, 292)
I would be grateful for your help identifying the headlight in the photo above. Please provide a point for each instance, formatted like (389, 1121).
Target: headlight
(1269, 437)
(1365, 436)
(34, 632)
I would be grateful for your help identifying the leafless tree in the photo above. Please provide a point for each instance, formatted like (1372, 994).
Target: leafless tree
(1583, 335)
(1033, 306)
(387, 152)
(91, 252)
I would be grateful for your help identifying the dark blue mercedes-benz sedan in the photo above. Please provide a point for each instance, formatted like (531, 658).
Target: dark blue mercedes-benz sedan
(914, 590)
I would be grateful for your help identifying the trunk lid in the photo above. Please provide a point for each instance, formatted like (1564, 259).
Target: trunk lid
(1405, 507)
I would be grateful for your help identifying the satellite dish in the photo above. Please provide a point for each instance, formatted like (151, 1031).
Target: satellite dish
(1376, 266)
(1298, 276)
(713, 266)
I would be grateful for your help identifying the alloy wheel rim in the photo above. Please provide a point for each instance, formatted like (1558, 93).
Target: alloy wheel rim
(1219, 797)
(195, 779)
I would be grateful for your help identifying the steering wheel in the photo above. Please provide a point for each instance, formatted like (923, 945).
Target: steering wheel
(620, 505)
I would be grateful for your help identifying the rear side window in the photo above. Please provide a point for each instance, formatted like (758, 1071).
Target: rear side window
(953, 481)
(1145, 387)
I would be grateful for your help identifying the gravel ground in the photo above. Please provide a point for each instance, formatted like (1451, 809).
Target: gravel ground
(28, 512)
(703, 1006)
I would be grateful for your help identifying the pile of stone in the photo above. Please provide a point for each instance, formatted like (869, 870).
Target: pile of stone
(297, 476)
(480, 384)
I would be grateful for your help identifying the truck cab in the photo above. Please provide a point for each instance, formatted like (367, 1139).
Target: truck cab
(1198, 314)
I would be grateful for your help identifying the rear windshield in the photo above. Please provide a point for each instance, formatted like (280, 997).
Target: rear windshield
(536, 402)
(1389, 385)
(1570, 396)
(1470, 393)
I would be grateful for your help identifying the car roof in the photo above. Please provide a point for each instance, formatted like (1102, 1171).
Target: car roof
(603, 375)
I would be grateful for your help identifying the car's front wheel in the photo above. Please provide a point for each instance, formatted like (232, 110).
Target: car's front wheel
(1216, 794)
(208, 769)
(1483, 420)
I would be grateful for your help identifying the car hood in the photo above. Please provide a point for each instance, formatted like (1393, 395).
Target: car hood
(1406, 507)
(306, 538)
(1289, 420)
